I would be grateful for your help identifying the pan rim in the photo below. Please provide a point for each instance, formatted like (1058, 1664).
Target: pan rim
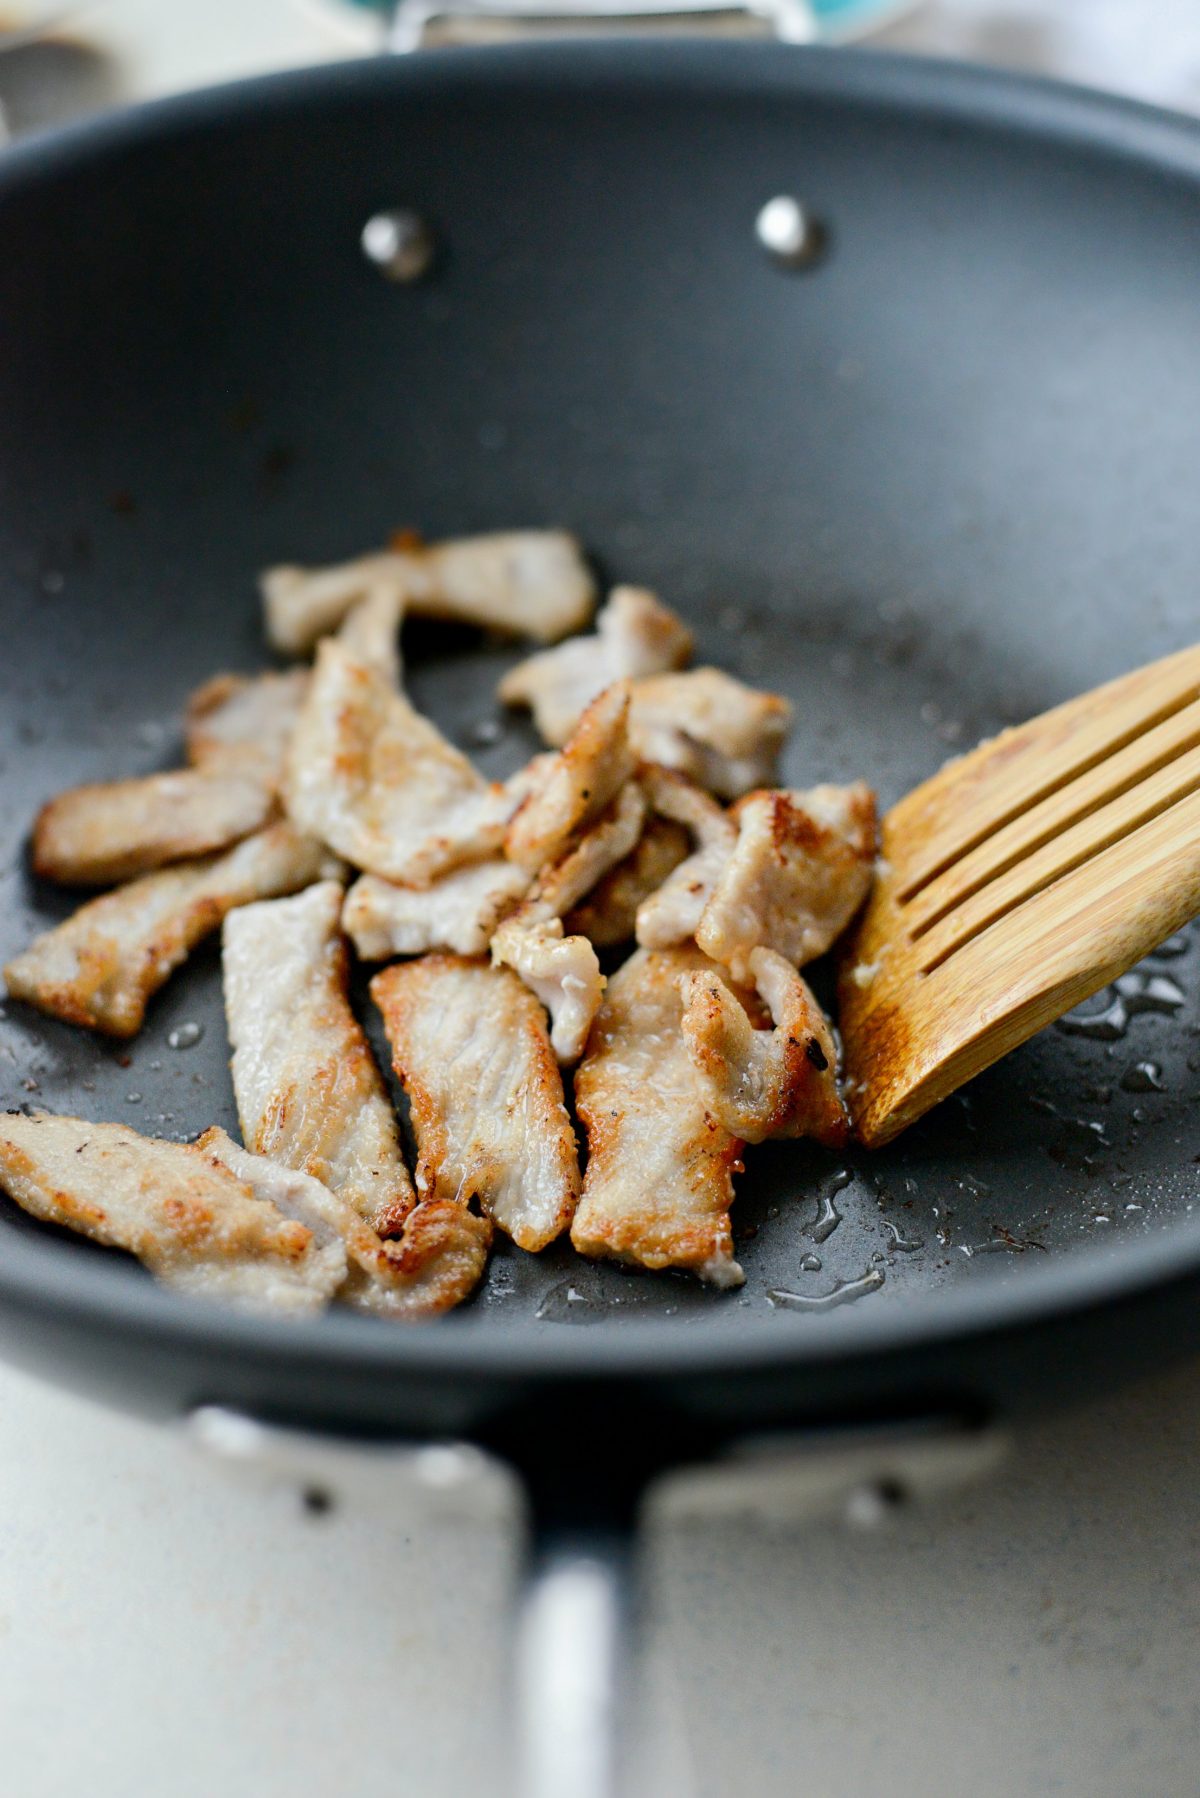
(965, 92)
(1091, 1279)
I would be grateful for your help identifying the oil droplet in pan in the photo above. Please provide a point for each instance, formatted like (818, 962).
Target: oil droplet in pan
(565, 1304)
(843, 1293)
(901, 1244)
(1126, 998)
(185, 1036)
(828, 1216)
(1174, 947)
(1143, 1077)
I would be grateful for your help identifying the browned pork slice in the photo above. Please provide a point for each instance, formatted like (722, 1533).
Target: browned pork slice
(607, 915)
(563, 970)
(724, 735)
(197, 1225)
(242, 724)
(100, 968)
(308, 1092)
(380, 784)
(660, 1167)
(636, 635)
(762, 1083)
(471, 1051)
(672, 912)
(797, 875)
(459, 911)
(439, 1260)
(98, 835)
(612, 837)
(370, 631)
(574, 787)
(529, 583)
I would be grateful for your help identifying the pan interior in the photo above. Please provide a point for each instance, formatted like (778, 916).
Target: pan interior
(932, 487)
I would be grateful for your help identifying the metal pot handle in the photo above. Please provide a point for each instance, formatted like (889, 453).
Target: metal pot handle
(416, 24)
(574, 1648)
(576, 1621)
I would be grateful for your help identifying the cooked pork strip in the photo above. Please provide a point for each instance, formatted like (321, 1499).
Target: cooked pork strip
(242, 724)
(575, 786)
(672, 913)
(440, 1259)
(195, 1224)
(724, 735)
(798, 873)
(660, 1167)
(380, 784)
(608, 841)
(370, 631)
(98, 835)
(472, 1053)
(460, 911)
(562, 971)
(636, 635)
(102, 965)
(607, 915)
(308, 1092)
(529, 583)
(764, 1083)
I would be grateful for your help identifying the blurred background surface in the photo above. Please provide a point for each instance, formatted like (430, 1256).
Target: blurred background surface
(110, 52)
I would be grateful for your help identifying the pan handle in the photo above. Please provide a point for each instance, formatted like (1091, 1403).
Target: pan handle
(577, 1617)
(415, 24)
(574, 1651)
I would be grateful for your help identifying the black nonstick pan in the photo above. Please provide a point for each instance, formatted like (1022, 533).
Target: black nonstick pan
(931, 479)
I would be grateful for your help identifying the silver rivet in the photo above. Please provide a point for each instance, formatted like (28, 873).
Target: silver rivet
(789, 233)
(400, 244)
(873, 1503)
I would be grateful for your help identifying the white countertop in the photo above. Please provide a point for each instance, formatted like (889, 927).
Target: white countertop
(166, 1629)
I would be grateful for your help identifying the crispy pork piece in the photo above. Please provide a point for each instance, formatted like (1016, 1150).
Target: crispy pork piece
(471, 1051)
(195, 1224)
(763, 1083)
(439, 1261)
(370, 631)
(725, 735)
(608, 841)
(529, 583)
(380, 784)
(607, 915)
(562, 971)
(308, 1092)
(660, 1165)
(575, 786)
(242, 724)
(461, 911)
(636, 635)
(672, 913)
(98, 835)
(102, 965)
(798, 874)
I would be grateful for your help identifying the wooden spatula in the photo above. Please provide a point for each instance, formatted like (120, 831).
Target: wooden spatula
(1020, 879)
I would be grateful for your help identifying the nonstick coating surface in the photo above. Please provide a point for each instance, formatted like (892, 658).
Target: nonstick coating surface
(942, 482)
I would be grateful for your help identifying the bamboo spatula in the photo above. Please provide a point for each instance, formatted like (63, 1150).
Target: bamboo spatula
(1021, 879)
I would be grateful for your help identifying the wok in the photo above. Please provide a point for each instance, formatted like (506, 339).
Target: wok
(936, 478)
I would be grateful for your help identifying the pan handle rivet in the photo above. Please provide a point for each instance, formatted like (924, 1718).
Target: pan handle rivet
(790, 234)
(873, 1502)
(400, 244)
